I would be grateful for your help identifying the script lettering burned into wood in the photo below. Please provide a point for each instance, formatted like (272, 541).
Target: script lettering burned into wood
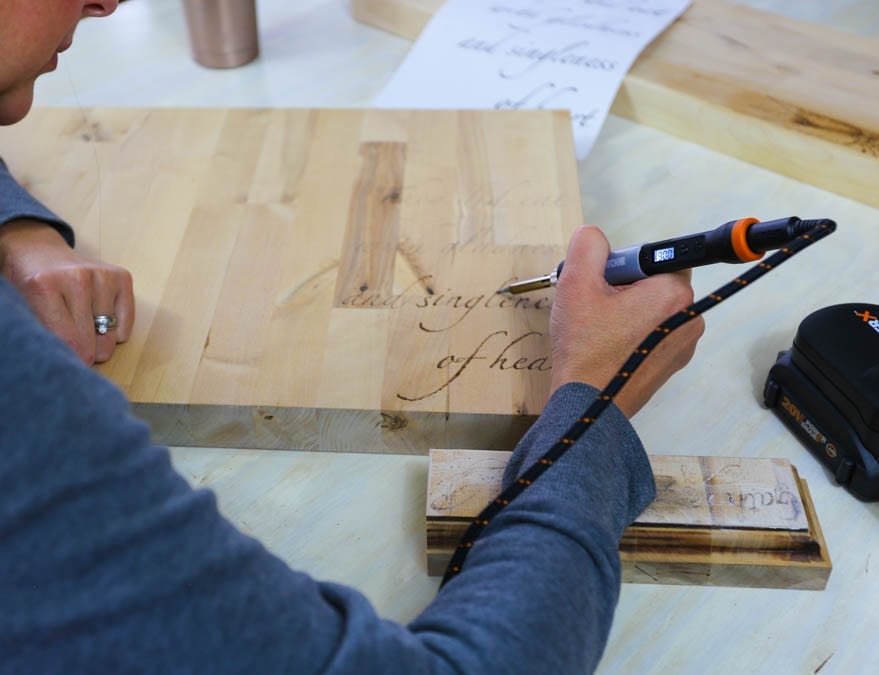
(320, 279)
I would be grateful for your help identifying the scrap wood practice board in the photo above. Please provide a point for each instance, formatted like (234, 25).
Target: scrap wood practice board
(319, 279)
(716, 521)
(796, 98)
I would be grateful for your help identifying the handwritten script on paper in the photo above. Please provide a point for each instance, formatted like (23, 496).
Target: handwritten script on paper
(529, 54)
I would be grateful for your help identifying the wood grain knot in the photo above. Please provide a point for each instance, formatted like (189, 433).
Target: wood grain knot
(836, 131)
(391, 422)
(96, 132)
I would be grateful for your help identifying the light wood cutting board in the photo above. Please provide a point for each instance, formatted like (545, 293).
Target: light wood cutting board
(320, 279)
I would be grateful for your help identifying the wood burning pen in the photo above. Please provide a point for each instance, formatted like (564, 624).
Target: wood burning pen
(737, 241)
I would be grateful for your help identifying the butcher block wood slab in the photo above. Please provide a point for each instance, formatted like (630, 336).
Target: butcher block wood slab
(796, 98)
(716, 521)
(319, 279)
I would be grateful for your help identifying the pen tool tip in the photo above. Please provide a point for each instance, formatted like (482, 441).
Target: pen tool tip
(505, 289)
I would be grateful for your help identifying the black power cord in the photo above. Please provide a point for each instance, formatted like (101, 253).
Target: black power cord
(815, 230)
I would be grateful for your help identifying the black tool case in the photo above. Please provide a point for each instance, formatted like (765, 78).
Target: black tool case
(826, 390)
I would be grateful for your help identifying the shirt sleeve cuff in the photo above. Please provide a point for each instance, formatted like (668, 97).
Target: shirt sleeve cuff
(17, 204)
(609, 458)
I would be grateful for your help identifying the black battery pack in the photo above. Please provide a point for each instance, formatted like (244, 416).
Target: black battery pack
(826, 390)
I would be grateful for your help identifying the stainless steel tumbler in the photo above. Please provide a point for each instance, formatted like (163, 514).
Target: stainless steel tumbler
(222, 33)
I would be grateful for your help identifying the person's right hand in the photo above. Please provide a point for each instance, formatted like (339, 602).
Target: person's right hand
(67, 290)
(595, 327)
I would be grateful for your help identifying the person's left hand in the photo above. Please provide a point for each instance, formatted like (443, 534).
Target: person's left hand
(67, 290)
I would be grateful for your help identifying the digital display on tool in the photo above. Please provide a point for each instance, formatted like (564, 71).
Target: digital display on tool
(663, 254)
(737, 241)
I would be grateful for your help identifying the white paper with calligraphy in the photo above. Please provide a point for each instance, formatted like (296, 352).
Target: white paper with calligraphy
(553, 54)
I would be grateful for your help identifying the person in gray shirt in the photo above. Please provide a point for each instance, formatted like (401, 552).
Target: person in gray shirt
(65, 289)
(112, 563)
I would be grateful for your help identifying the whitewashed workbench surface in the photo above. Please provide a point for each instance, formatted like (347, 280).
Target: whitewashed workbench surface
(358, 519)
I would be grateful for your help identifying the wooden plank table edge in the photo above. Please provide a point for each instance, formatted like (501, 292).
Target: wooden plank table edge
(829, 153)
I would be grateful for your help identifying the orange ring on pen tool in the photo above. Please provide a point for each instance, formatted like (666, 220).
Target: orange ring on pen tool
(739, 240)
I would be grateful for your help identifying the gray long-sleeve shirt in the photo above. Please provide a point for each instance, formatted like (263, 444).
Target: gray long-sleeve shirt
(111, 563)
(15, 203)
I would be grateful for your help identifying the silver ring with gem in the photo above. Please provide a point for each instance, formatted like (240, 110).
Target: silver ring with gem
(104, 323)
